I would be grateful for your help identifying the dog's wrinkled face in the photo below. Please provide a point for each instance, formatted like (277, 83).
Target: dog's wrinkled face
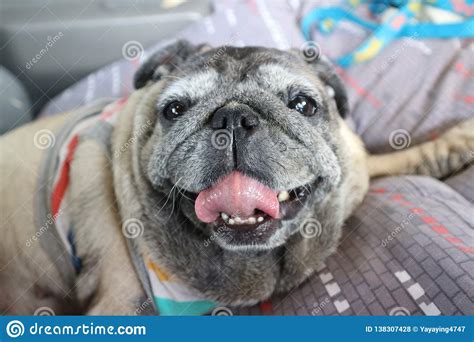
(247, 135)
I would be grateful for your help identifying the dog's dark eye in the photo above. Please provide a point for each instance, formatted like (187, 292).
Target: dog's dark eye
(174, 110)
(303, 104)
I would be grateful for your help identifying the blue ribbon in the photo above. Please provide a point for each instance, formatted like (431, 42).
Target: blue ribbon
(384, 33)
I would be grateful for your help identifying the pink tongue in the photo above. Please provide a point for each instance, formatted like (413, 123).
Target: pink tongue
(236, 195)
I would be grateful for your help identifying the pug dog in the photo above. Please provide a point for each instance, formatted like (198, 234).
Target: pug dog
(221, 156)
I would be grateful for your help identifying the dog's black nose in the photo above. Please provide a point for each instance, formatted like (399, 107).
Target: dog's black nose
(232, 118)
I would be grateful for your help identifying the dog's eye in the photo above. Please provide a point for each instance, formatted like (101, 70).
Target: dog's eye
(174, 110)
(303, 104)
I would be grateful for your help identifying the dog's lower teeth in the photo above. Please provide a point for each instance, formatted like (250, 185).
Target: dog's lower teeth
(236, 220)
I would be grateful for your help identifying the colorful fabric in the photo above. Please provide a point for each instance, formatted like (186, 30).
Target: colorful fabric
(171, 296)
(398, 23)
(59, 199)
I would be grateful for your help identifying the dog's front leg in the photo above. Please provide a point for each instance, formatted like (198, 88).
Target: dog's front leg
(438, 158)
(117, 290)
(107, 283)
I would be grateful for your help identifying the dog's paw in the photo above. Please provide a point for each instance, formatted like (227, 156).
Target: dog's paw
(456, 147)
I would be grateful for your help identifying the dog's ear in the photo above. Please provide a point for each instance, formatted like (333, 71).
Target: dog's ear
(164, 61)
(327, 73)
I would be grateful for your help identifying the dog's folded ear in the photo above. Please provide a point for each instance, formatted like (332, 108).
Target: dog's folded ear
(164, 61)
(327, 73)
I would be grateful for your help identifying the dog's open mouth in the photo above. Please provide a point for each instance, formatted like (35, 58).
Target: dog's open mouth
(243, 204)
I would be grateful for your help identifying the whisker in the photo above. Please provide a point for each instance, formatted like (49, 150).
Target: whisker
(182, 191)
(168, 197)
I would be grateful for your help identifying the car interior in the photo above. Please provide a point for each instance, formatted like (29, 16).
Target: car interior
(25, 24)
